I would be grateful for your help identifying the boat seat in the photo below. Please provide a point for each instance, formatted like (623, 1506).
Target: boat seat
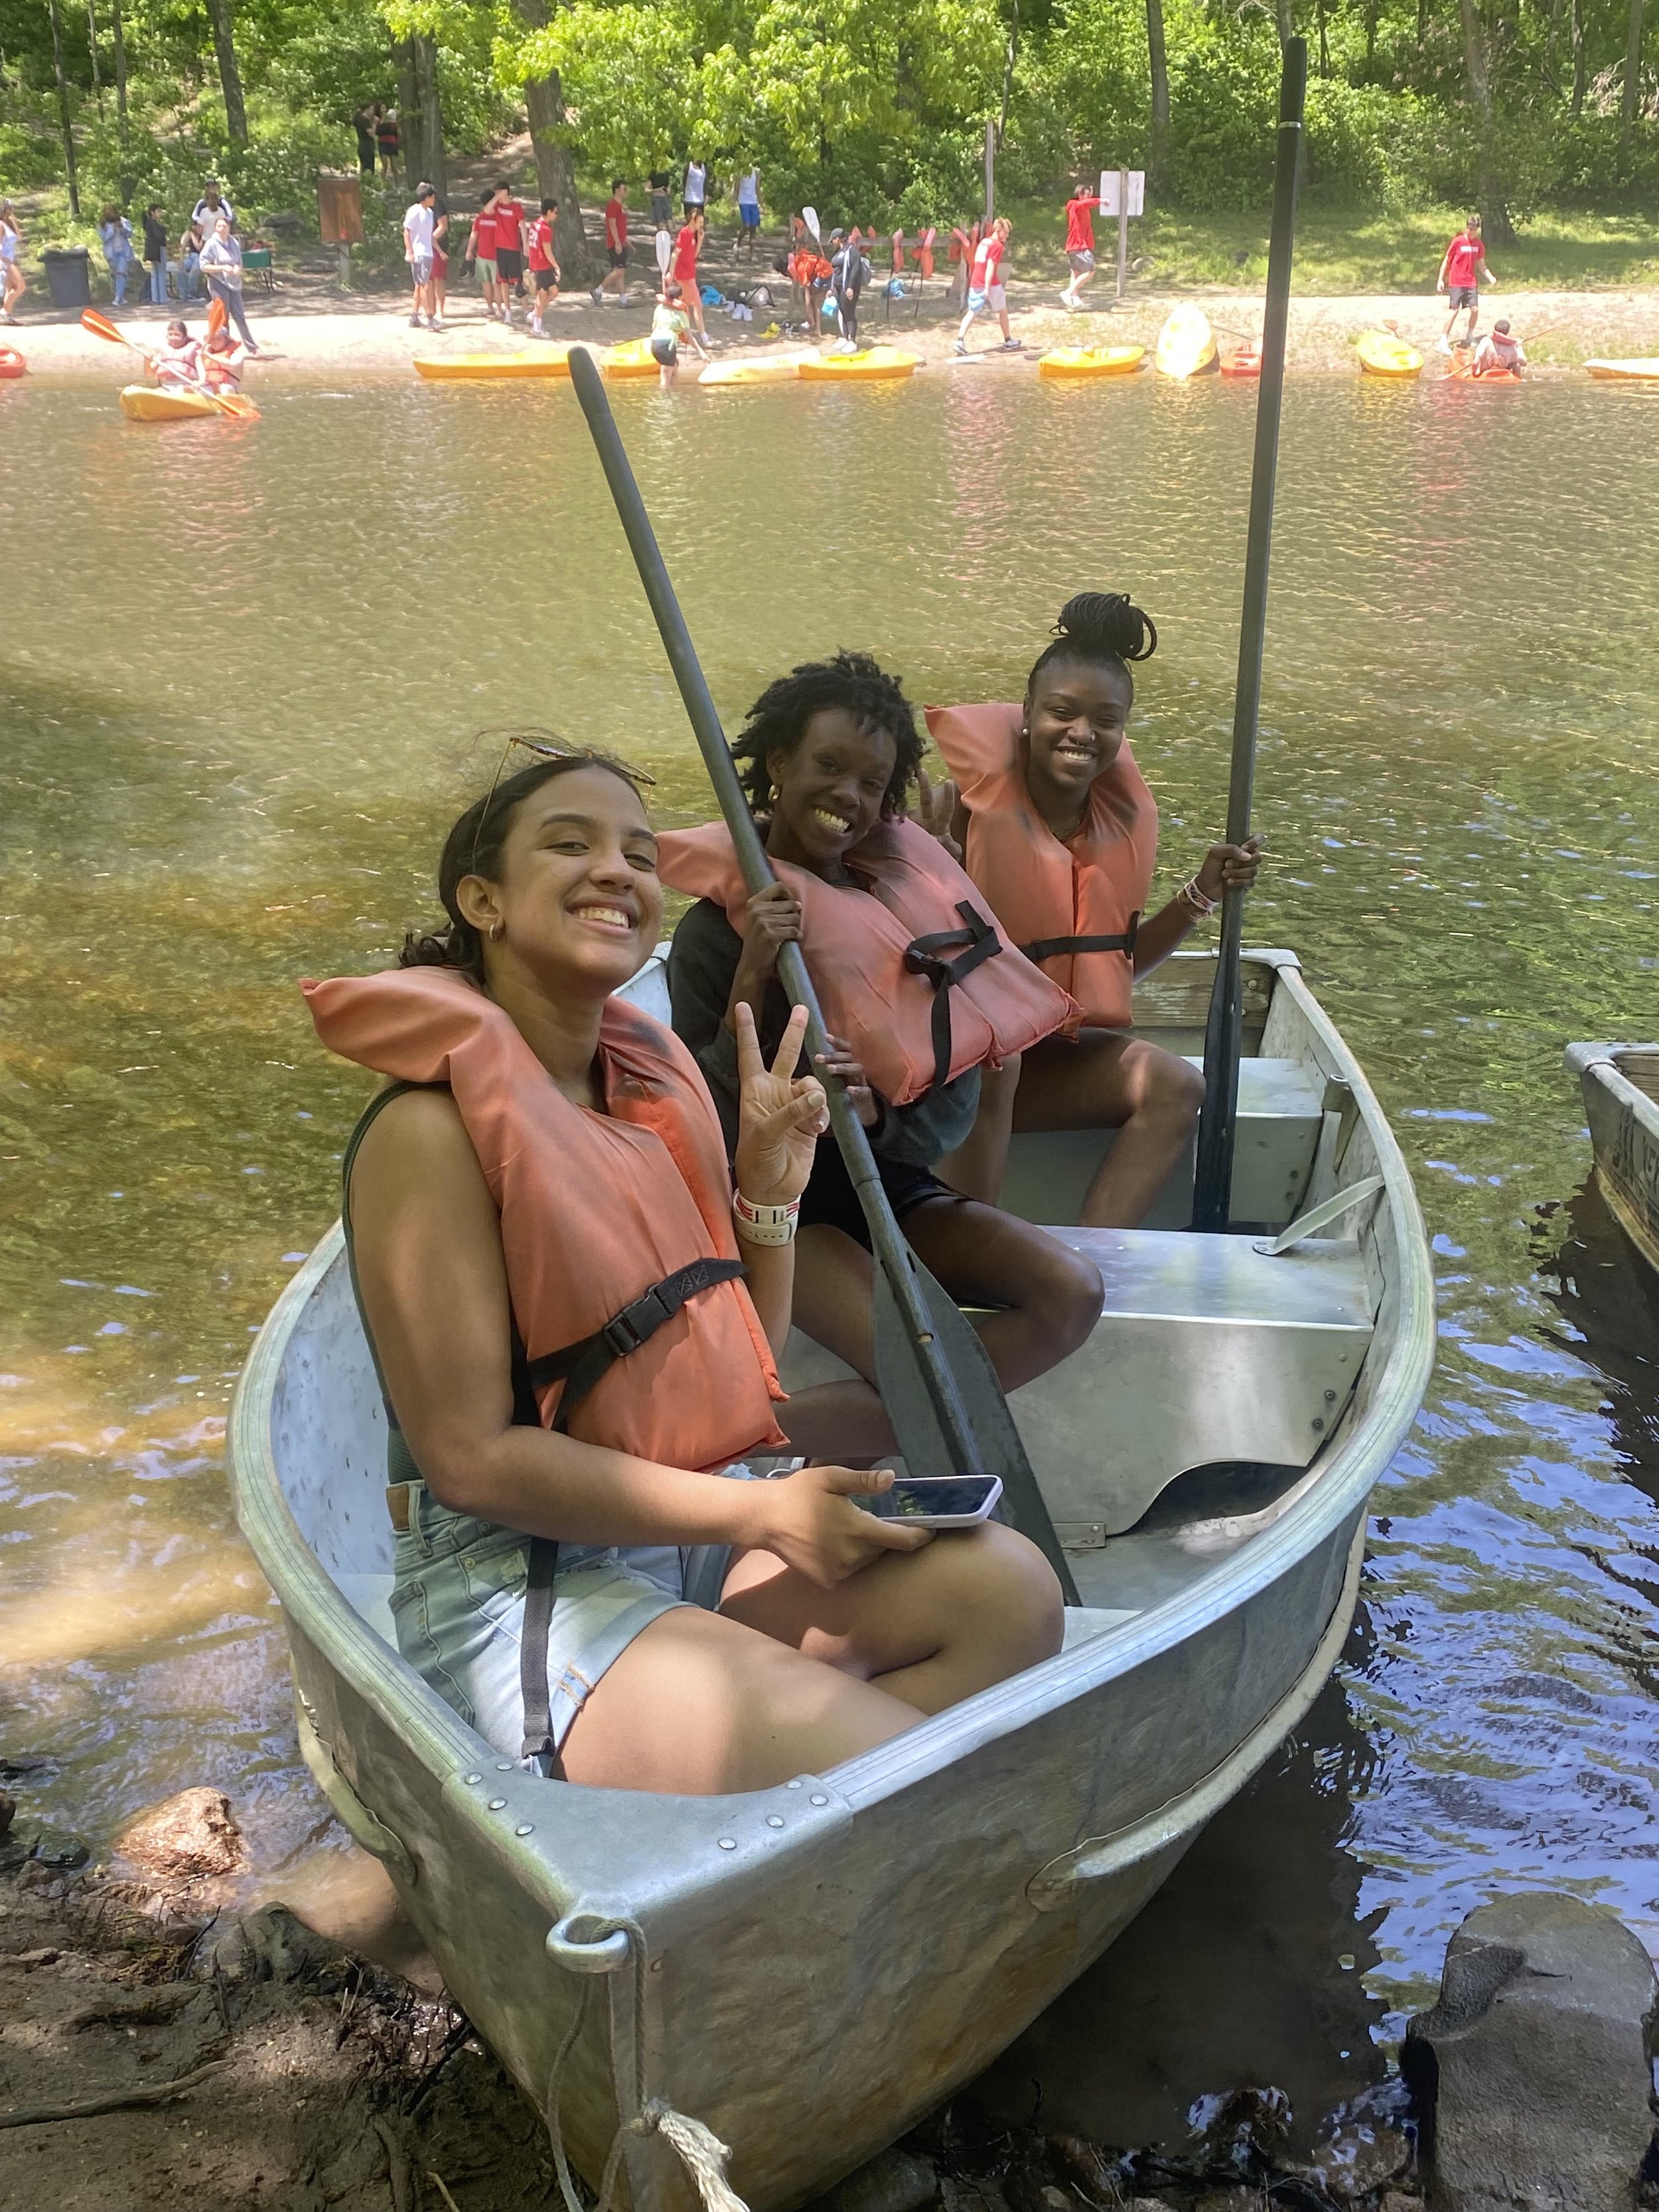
(1206, 1351)
(1280, 1105)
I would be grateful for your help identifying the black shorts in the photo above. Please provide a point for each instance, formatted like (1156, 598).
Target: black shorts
(509, 264)
(617, 256)
(547, 280)
(831, 1201)
(665, 352)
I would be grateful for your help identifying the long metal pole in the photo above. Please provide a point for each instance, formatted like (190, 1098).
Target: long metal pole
(1223, 1036)
(1122, 231)
(890, 1252)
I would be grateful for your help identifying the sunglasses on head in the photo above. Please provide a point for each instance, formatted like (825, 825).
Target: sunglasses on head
(546, 748)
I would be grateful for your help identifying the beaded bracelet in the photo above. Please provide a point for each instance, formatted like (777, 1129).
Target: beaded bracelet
(764, 1224)
(1195, 898)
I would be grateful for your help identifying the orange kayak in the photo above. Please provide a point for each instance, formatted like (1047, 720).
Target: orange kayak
(12, 362)
(1242, 361)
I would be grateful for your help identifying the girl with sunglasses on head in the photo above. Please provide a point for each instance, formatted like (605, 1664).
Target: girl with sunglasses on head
(921, 994)
(574, 1309)
(1058, 829)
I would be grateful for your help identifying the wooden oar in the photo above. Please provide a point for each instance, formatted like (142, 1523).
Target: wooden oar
(939, 1386)
(1223, 1035)
(228, 403)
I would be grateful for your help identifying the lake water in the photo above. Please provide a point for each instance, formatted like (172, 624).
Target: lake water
(243, 674)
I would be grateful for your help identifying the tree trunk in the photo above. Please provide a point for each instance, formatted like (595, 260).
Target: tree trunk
(423, 125)
(1370, 40)
(1630, 105)
(409, 104)
(92, 56)
(555, 172)
(1324, 43)
(1579, 69)
(230, 76)
(1287, 22)
(1552, 40)
(1008, 74)
(121, 123)
(64, 122)
(1158, 57)
(1495, 223)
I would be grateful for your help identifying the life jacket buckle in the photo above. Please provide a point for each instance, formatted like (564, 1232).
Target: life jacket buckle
(635, 1323)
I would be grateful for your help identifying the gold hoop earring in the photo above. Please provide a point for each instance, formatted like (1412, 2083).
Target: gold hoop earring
(496, 932)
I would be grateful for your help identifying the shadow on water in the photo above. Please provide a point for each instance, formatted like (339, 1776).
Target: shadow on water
(1247, 1970)
(1608, 1300)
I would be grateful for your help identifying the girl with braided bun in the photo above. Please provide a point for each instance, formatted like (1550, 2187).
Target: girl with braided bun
(1059, 832)
(920, 991)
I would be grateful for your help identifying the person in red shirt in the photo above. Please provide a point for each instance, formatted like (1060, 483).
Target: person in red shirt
(481, 255)
(684, 269)
(509, 248)
(1079, 243)
(1461, 268)
(985, 288)
(543, 267)
(616, 246)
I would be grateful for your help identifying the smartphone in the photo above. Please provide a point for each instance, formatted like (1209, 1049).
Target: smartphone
(937, 1501)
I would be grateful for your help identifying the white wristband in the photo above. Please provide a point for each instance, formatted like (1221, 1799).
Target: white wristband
(764, 1224)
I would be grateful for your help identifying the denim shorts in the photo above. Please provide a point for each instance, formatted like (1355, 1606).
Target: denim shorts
(457, 1600)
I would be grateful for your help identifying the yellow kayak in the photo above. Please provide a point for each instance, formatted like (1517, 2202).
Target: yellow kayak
(1624, 372)
(483, 368)
(634, 358)
(145, 403)
(1091, 361)
(769, 368)
(1186, 344)
(1382, 354)
(875, 365)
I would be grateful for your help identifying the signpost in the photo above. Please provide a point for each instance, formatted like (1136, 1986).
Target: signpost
(1122, 193)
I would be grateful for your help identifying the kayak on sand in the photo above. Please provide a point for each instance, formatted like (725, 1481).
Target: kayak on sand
(1242, 361)
(1382, 354)
(1624, 372)
(1186, 344)
(442, 368)
(769, 369)
(12, 362)
(1066, 363)
(875, 365)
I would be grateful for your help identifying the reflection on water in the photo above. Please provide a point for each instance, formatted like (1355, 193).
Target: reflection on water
(240, 679)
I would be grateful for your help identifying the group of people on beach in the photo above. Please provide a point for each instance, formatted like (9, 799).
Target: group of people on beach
(622, 1551)
(210, 259)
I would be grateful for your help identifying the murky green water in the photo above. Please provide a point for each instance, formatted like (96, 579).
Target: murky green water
(241, 675)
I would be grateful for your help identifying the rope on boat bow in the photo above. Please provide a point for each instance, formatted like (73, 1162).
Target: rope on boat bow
(699, 2150)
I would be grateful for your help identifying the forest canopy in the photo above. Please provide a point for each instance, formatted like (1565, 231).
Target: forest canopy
(876, 108)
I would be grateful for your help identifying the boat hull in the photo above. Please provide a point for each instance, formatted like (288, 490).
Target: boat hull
(1623, 372)
(880, 365)
(1382, 354)
(144, 403)
(769, 368)
(1186, 344)
(1620, 1085)
(809, 1969)
(12, 362)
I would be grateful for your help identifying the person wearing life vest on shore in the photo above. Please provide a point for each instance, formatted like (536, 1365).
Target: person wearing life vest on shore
(920, 992)
(1059, 832)
(573, 1312)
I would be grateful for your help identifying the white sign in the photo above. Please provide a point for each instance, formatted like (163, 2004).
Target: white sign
(1109, 201)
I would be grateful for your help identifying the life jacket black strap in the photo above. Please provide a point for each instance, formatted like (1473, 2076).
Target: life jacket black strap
(580, 1367)
(1045, 948)
(979, 940)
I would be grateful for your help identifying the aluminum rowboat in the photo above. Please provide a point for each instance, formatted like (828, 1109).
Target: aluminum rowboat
(808, 1970)
(1621, 1104)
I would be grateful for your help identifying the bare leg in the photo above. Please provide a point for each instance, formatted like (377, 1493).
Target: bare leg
(1046, 1297)
(1105, 1081)
(931, 1627)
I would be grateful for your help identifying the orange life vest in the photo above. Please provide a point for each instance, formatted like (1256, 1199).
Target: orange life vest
(597, 1209)
(916, 977)
(1073, 907)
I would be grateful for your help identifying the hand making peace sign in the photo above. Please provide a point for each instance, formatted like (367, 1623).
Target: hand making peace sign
(781, 1114)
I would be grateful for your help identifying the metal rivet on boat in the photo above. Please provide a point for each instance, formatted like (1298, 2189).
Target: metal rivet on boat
(525, 1828)
(774, 1820)
(818, 1797)
(728, 1843)
(791, 1785)
(474, 1777)
(496, 1803)
(504, 1766)
(1318, 1424)
(1330, 1397)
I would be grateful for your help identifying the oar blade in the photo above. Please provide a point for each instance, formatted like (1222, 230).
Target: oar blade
(902, 1380)
(101, 327)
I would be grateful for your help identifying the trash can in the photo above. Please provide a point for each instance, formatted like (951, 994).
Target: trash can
(67, 276)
